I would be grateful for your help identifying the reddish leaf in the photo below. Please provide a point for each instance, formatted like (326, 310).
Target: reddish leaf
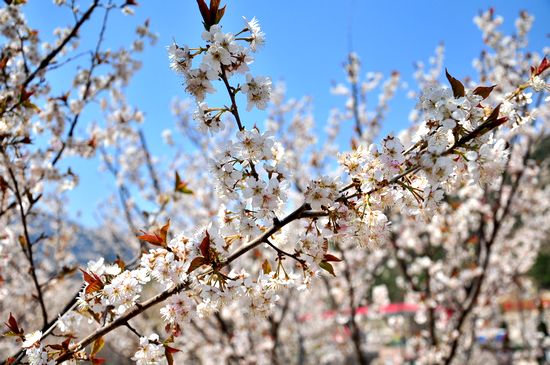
(219, 15)
(3, 62)
(205, 12)
(152, 238)
(120, 263)
(25, 95)
(168, 351)
(174, 330)
(492, 121)
(15, 2)
(196, 263)
(456, 85)
(544, 64)
(164, 231)
(9, 361)
(494, 115)
(169, 357)
(94, 282)
(55, 346)
(484, 91)
(329, 257)
(158, 237)
(211, 15)
(171, 350)
(97, 360)
(204, 247)
(13, 326)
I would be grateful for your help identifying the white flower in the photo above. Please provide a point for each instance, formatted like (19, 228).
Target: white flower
(256, 34)
(209, 35)
(198, 81)
(206, 121)
(37, 356)
(216, 56)
(257, 90)
(150, 351)
(32, 339)
(322, 192)
(167, 137)
(69, 322)
(180, 58)
(539, 84)
(179, 309)
(438, 142)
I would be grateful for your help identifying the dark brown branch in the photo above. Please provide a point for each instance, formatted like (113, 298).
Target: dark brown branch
(28, 243)
(123, 320)
(95, 62)
(476, 287)
(49, 58)
(356, 335)
(149, 161)
(234, 108)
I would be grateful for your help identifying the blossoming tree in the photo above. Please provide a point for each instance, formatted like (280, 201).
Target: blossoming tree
(272, 253)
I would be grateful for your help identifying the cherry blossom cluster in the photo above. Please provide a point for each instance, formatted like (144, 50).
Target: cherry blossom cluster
(440, 206)
(367, 123)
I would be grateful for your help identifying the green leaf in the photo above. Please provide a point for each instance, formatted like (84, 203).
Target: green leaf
(181, 186)
(97, 346)
(327, 267)
(266, 267)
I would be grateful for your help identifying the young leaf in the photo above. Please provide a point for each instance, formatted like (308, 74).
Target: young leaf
(22, 241)
(494, 115)
(266, 267)
(329, 257)
(196, 263)
(13, 326)
(120, 263)
(164, 231)
(205, 247)
(327, 267)
(97, 346)
(94, 282)
(168, 351)
(458, 88)
(158, 237)
(544, 64)
(484, 91)
(212, 15)
(219, 15)
(205, 12)
(3, 62)
(181, 186)
(152, 238)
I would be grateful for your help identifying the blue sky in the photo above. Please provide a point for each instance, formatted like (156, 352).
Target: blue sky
(307, 42)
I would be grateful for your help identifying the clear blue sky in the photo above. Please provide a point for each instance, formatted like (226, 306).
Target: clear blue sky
(307, 42)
